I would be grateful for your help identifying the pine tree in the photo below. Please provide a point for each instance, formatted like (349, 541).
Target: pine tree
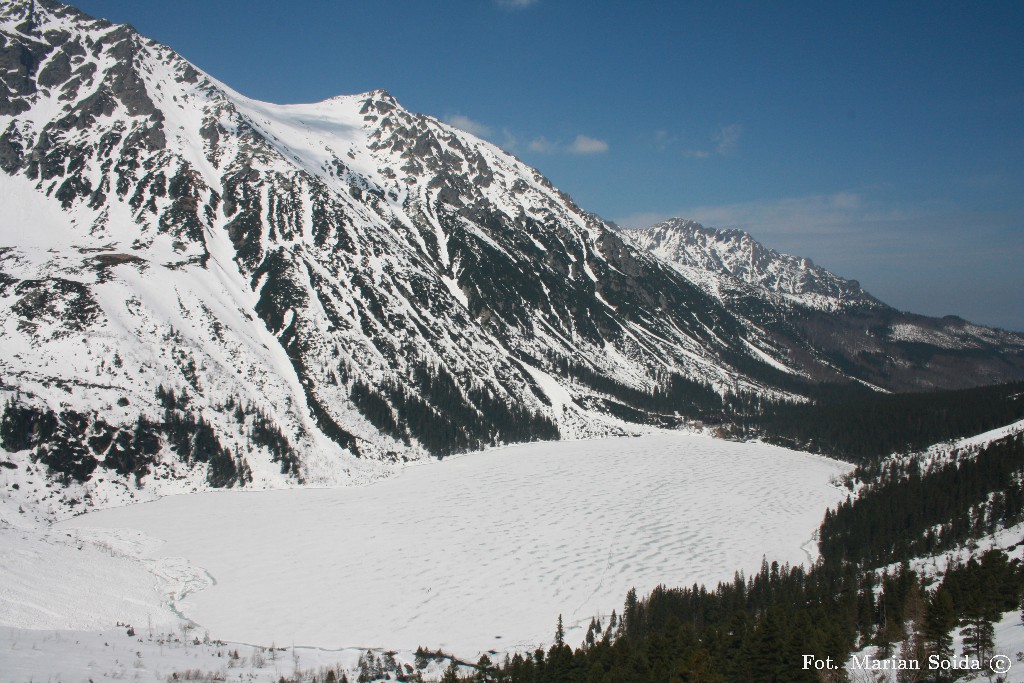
(979, 636)
(769, 648)
(698, 667)
(451, 674)
(630, 614)
(939, 621)
(978, 617)
(485, 670)
(591, 629)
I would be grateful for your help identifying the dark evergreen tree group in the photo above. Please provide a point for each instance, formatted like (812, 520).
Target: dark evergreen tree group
(445, 419)
(862, 426)
(672, 396)
(72, 444)
(907, 511)
(194, 440)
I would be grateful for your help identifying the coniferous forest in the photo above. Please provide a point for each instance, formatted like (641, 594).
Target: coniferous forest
(861, 426)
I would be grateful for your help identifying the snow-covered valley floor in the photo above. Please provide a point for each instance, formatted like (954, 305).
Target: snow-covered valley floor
(475, 553)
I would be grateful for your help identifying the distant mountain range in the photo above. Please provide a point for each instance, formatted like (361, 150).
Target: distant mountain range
(200, 289)
(705, 255)
(807, 307)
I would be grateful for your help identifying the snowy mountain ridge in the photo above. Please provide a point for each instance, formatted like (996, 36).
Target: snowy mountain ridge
(697, 250)
(809, 307)
(199, 289)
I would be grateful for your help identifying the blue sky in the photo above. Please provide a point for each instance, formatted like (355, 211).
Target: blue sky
(884, 140)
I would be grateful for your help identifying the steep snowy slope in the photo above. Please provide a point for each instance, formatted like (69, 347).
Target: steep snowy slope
(194, 284)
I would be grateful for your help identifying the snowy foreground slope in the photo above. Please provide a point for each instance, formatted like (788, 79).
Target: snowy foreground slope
(479, 552)
(571, 528)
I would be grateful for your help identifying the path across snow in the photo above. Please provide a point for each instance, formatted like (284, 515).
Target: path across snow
(483, 551)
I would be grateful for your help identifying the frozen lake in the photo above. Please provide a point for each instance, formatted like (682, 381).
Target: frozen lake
(477, 552)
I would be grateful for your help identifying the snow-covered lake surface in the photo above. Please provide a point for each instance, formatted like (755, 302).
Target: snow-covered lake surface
(478, 552)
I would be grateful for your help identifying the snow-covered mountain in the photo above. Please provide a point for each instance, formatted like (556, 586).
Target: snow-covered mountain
(808, 309)
(305, 287)
(698, 251)
(200, 289)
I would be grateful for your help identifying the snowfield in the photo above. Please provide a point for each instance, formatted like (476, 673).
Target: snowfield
(475, 553)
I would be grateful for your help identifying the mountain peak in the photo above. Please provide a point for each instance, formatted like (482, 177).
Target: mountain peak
(26, 16)
(735, 253)
(380, 94)
(378, 101)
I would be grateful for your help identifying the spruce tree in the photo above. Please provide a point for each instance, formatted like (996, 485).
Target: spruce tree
(485, 670)
(451, 674)
(939, 621)
(977, 622)
(979, 636)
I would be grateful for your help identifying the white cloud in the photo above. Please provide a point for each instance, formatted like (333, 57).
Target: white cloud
(728, 139)
(846, 200)
(469, 125)
(516, 4)
(584, 144)
(542, 145)
(509, 141)
(663, 140)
